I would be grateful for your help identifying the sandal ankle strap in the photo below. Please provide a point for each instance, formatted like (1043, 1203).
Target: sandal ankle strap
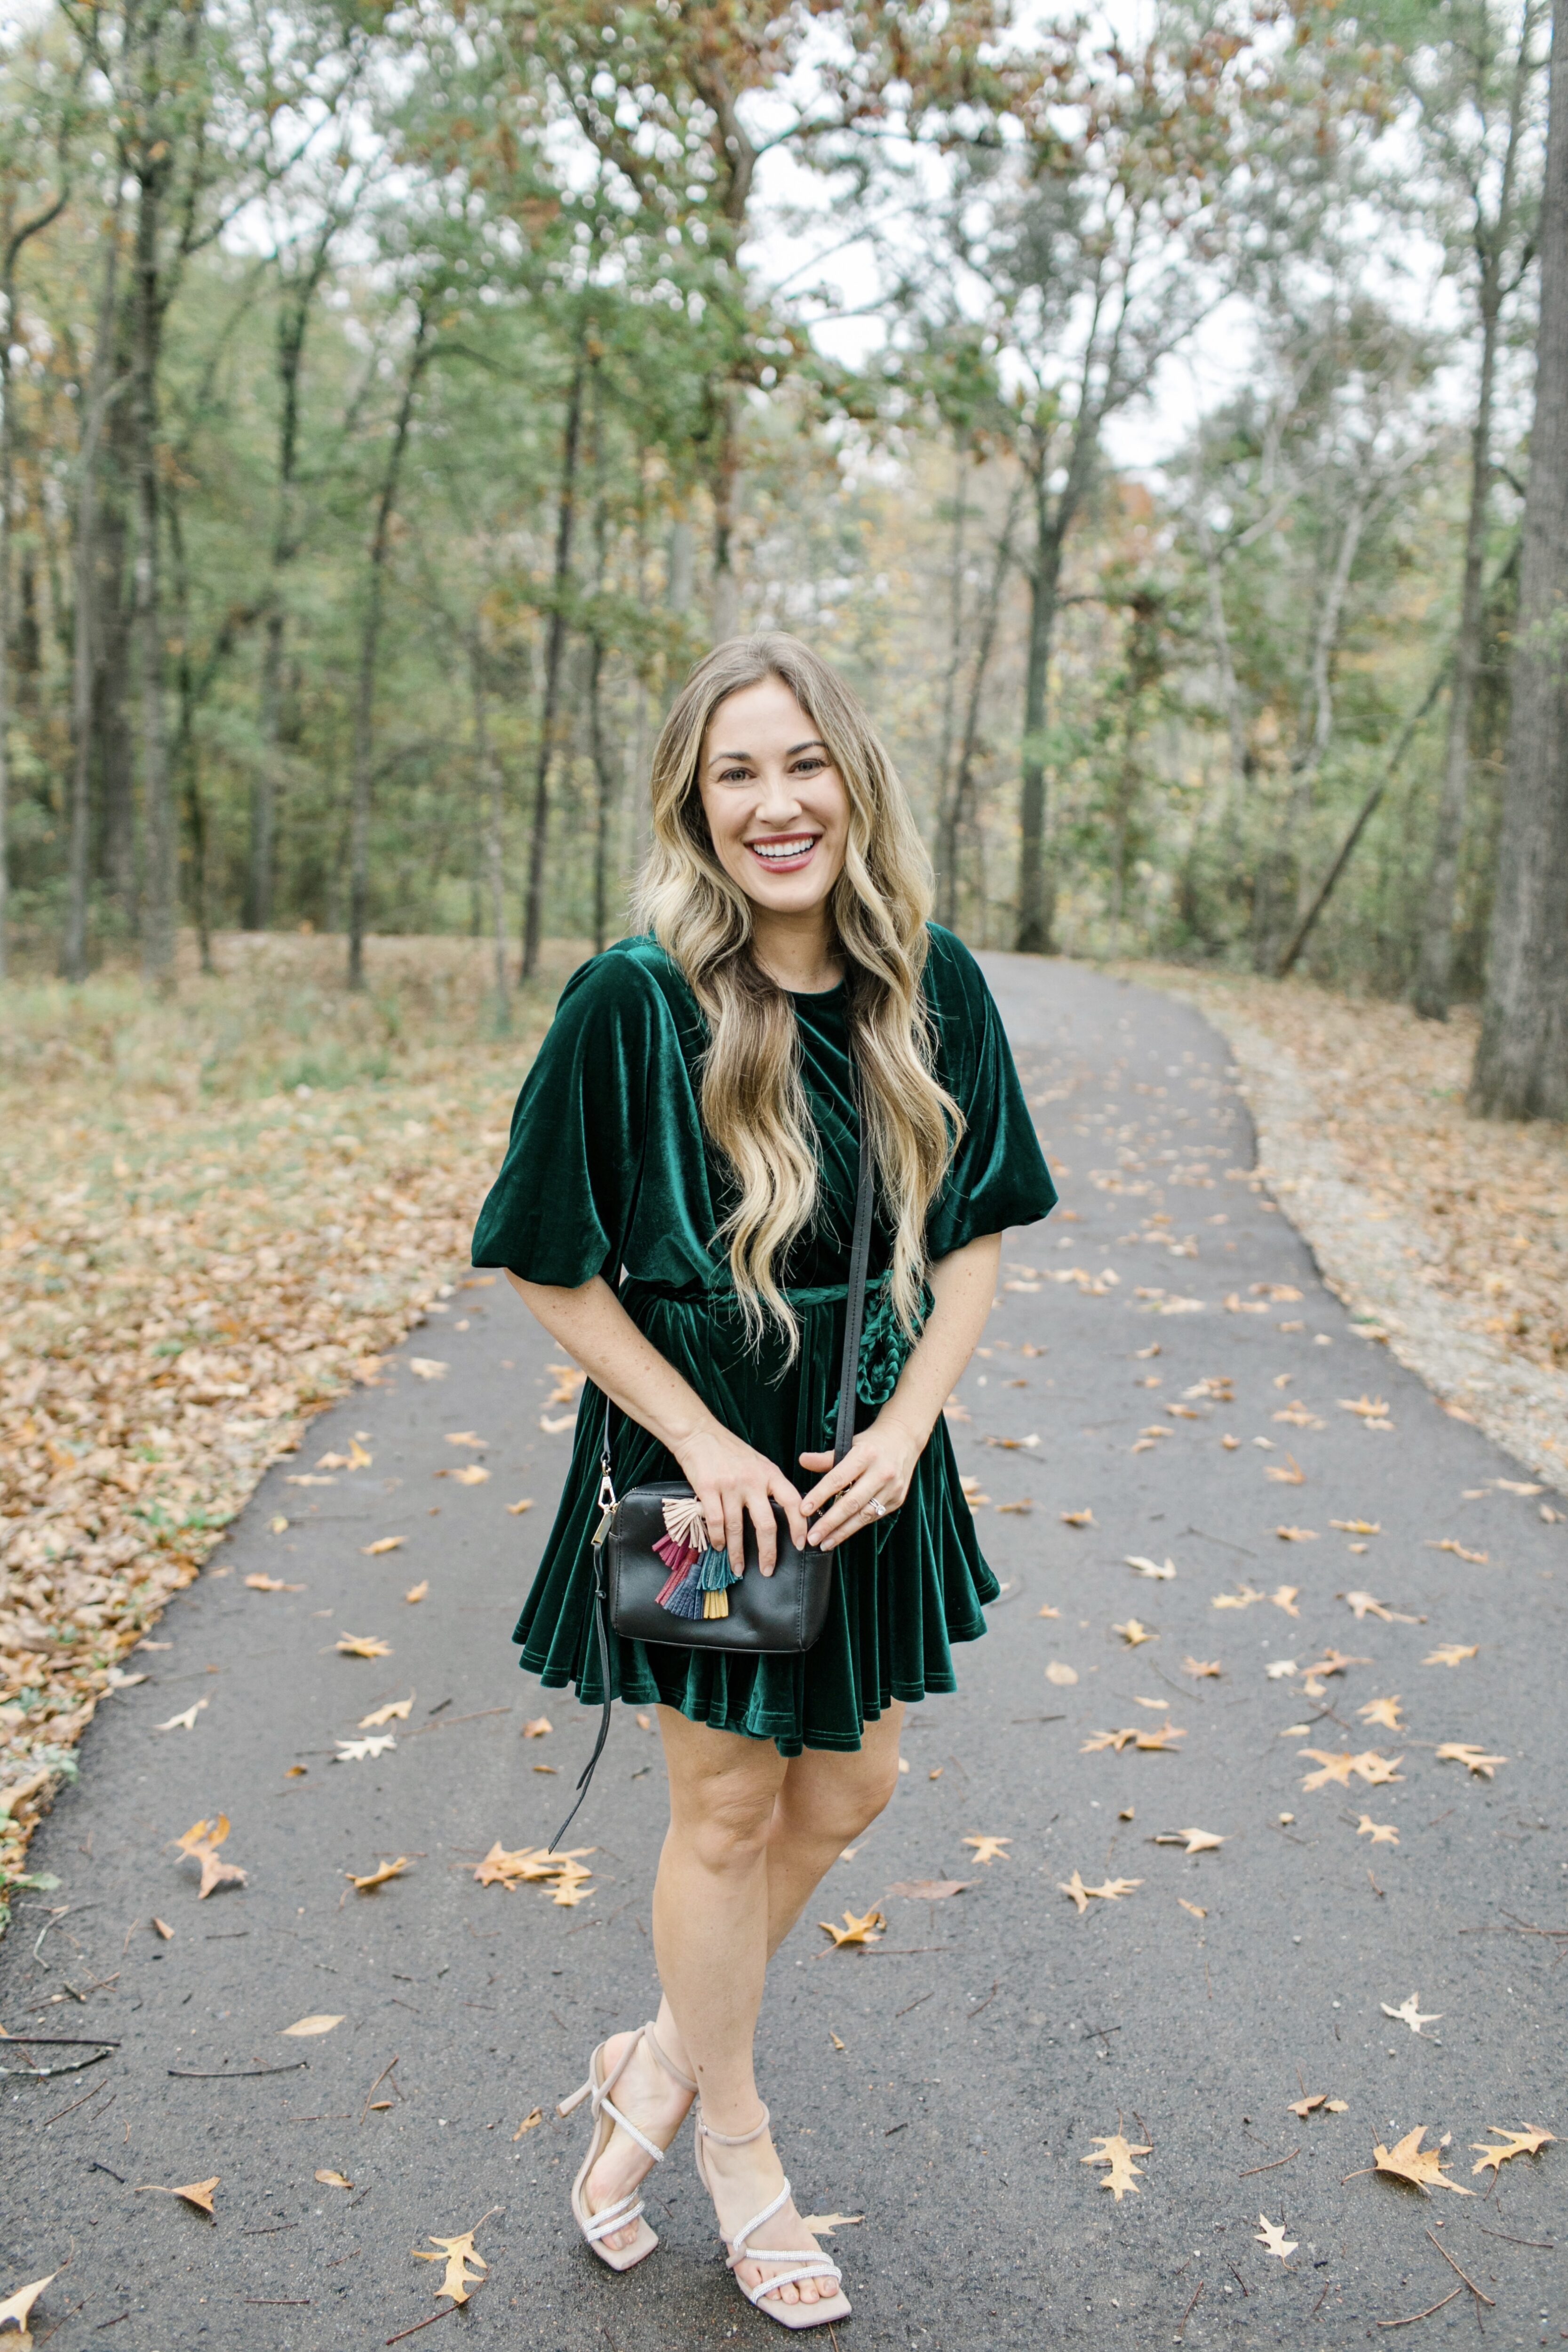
(670, 2068)
(731, 2139)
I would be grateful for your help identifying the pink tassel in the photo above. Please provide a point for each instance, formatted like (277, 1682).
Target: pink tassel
(676, 1555)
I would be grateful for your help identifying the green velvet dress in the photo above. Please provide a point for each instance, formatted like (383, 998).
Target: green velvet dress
(608, 1172)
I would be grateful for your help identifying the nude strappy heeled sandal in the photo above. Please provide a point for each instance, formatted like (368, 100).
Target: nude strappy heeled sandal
(803, 2264)
(597, 2227)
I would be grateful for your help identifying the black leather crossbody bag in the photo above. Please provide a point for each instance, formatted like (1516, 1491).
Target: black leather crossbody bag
(657, 1579)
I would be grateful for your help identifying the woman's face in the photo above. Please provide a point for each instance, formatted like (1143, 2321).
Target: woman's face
(777, 807)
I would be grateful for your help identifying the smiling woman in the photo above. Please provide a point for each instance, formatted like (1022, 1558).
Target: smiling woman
(789, 1056)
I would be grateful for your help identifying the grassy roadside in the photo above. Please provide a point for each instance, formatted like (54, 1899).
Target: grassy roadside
(215, 1213)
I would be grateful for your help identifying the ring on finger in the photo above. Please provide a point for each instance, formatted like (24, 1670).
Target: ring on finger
(876, 1507)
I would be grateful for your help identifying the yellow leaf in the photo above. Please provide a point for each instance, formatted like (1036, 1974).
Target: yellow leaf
(378, 1877)
(467, 1474)
(1450, 1543)
(1099, 1741)
(531, 2122)
(362, 1645)
(526, 1504)
(1384, 1711)
(1196, 1908)
(467, 1437)
(1161, 1742)
(538, 1727)
(1191, 1841)
(1422, 2167)
(427, 1367)
(865, 1930)
(1358, 1526)
(1452, 1654)
(1060, 1673)
(1200, 1668)
(1084, 1519)
(1118, 2154)
(396, 1711)
(457, 2253)
(1465, 1752)
(198, 2193)
(1133, 1633)
(1380, 1833)
(1287, 1472)
(1048, 1611)
(1297, 1535)
(990, 1849)
(1529, 2141)
(1368, 1408)
(382, 1544)
(271, 1584)
(417, 1592)
(278, 1525)
(19, 2306)
(304, 2028)
(1242, 1599)
(334, 2180)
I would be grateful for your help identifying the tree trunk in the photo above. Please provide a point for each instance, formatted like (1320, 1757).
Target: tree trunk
(947, 790)
(101, 391)
(183, 766)
(369, 642)
(293, 323)
(608, 780)
(157, 804)
(489, 780)
(555, 644)
(111, 729)
(1034, 907)
(990, 611)
(1521, 1059)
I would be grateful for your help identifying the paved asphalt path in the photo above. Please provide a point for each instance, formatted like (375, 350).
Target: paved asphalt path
(949, 2085)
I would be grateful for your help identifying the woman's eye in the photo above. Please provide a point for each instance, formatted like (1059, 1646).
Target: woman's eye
(736, 776)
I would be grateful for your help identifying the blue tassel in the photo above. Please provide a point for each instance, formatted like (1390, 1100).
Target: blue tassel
(714, 1573)
(685, 1599)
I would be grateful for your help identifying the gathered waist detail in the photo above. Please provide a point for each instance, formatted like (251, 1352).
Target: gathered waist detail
(885, 1346)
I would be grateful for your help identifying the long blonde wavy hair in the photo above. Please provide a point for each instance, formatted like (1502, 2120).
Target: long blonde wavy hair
(753, 1101)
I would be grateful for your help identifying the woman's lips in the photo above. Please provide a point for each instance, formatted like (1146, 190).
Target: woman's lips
(786, 856)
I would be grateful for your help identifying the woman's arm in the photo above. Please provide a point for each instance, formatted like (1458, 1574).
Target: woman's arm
(729, 1478)
(881, 1462)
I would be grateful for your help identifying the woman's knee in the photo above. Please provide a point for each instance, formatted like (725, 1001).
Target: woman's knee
(835, 1804)
(724, 1819)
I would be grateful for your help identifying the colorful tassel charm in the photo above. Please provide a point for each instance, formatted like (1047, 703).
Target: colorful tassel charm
(682, 1596)
(683, 1549)
(714, 1577)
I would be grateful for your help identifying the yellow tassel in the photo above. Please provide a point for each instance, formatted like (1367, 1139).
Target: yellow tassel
(715, 1605)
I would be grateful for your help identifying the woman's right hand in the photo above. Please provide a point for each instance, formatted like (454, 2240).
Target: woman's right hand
(730, 1478)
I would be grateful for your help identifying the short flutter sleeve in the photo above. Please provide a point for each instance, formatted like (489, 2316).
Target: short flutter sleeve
(998, 1177)
(561, 1210)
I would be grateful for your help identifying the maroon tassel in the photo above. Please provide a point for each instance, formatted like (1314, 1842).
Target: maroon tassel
(677, 1556)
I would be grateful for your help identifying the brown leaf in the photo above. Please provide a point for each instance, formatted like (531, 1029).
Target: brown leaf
(395, 1711)
(1201, 1669)
(1422, 2167)
(457, 2254)
(1287, 1472)
(526, 1504)
(1297, 1535)
(382, 1544)
(163, 1928)
(1528, 2141)
(990, 1849)
(1450, 1543)
(1465, 1752)
(1084, 1519)
(531, 2122)
(198, 2193)
(539, 1727)
(1133, 1633)
(19, 2305)
(334, 2180)
(1118, 2153)
(271, 1584)
(1384, 1711)
(1451, 1654)
(200, 1843)
(1380, 1833)
(362, 1645)
(864, 1931)
(377, 1877)
(1189, 1840)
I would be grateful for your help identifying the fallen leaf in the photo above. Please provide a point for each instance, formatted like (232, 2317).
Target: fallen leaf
(360, 1751)
(1271, 2234)
(1362, 1604)
(1048, 1611)
(1232, 1446)
(1368, 1408)
(1380, 1833)
(825, 2224)
(1280, 1670)
(526, 1504)
(1287, 1472)
(864, 1931)
(379, 1877)
(1384, 1711)
(1334, 1768)
(1162, 1571)
(552, 1424)
(1297, 1535)
(1161, 1742)
(304, 2028)
(1465, 1752)
(120, 1680)
(538, 1727)
(186, 1722)
(467, 1474)
(1189, 1840)
(362, 1645)
(396, 1711)
(1334, 1661)
(569, 1894)
(19, 2306)
(257, 1584)
(457, 2253)
(382, 1544)
(334, 2180)
(1336, 2106)
(528, 1865)
(990, 1849)
(200, 1843)
(1284, 1597)
(1529, 2141)
(1076, 1519)
(1196, 1908)
(1099, 1741)
(1304, 2105)
(1201, 1669)
(1133, 1633)
(1514, 1487)
(418, 1593)
(1242, 1599)
(467, 1437)
(1451, 1543)
(1376, 1770)
(531, 2122)
(1452, 1654)
(1118, 2154)
(1300, 1416)
(1358, 1526)
(427, 1367)
(163, 1928)
(278, 1525)
(198, 2193)
(930, 1890)
(1409, 2014)
(1059, 1672)
(1422, 2167)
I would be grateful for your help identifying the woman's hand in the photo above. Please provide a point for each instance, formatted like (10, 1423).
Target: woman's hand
(875, 1471)
(730, 1478)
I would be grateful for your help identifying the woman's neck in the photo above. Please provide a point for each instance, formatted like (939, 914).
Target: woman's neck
(797, 951)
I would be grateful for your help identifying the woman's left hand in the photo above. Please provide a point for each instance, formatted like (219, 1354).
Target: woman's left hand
(872, 1479)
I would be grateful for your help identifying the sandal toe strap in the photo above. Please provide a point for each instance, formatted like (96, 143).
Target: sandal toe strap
(610, 2218)
(805, 2269)
(604, 2105)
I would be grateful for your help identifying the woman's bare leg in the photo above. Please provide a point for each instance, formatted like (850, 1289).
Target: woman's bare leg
(732, 1801)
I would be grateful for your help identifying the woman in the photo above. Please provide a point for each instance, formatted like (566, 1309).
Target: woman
(676, 1208)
